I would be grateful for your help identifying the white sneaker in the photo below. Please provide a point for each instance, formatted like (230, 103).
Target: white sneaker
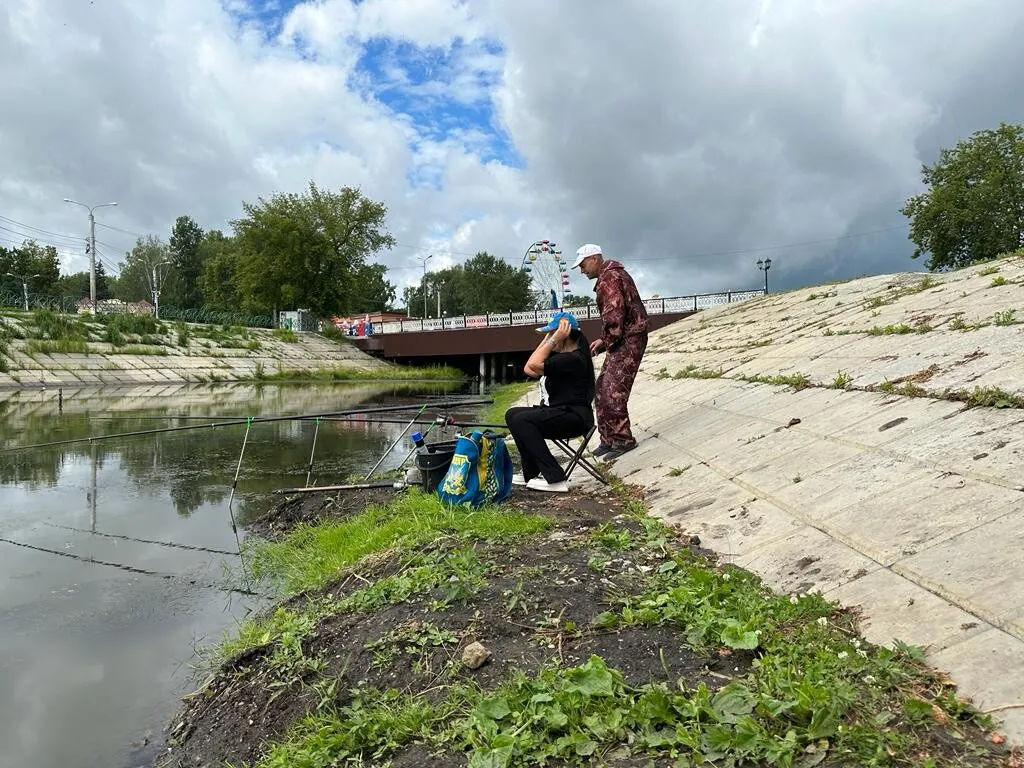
(540, 484)
(518, 479)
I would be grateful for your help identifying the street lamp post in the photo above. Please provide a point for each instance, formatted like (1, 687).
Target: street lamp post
(156, 287)
(423, 287)
(764, 266)
(92, 247)
(24, 285)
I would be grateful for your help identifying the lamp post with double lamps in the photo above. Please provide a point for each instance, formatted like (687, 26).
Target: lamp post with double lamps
(155, 287)
(764, 266)
(24, 285)
(92, 247)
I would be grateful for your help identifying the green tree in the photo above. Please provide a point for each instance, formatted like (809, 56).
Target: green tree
(38, 263)
(136, 281)
(488, 284)
(973, 210)
(578, 301)
(187, 258)
(76, 285)
(218, 282)
(306, 250)
(484, 283)
(372, 292)
(8, 264)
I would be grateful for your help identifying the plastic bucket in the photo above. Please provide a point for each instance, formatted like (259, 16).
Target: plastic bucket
(433, 463)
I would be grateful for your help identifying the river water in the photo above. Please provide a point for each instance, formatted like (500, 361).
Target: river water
(117, 556)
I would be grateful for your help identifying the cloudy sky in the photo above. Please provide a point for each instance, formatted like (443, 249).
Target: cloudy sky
(687, 137)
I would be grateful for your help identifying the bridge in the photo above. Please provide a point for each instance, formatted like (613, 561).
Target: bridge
(496, 346)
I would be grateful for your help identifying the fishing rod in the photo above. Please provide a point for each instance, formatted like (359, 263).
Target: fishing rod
(441, 421)
(348, 487)
(239, 421)
(303, 416)
(392, 446)
(234, 485)
(450, 423)
(295, 417)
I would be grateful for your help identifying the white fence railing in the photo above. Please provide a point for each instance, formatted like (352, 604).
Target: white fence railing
(541, 316)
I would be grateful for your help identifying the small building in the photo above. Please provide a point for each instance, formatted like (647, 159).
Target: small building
(115, 307)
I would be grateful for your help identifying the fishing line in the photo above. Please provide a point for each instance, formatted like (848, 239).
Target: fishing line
(129, 568)
(141, 541)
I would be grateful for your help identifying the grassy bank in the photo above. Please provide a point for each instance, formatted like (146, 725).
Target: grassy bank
(561, 631)
(341, 373)
(505, 397)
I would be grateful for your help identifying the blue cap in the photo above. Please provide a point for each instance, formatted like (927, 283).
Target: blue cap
(416, 437)
(573, 322)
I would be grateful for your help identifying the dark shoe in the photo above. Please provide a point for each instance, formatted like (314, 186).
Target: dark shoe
(617, 451)
(601, 450)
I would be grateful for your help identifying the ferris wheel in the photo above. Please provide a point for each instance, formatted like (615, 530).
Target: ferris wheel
(549, 274)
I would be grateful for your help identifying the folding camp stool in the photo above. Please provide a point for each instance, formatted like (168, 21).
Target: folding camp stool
(576, 456)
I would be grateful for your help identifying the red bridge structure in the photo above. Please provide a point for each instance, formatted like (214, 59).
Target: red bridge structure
(496, 346)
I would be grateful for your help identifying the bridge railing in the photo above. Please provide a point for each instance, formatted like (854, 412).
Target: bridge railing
(657, 306)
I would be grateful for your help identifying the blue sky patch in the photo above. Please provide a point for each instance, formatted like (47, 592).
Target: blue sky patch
(445, 92)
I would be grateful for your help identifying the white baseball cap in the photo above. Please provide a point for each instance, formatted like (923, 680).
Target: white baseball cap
(584, 251)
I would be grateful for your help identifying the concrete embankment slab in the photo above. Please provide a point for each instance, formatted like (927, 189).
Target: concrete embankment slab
(862, 440)
(197, 360)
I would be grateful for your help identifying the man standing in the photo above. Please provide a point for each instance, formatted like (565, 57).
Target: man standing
(624, 338)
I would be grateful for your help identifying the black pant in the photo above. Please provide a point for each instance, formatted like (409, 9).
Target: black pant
(530, 427)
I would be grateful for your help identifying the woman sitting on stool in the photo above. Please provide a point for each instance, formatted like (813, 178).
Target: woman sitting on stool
(562, 362)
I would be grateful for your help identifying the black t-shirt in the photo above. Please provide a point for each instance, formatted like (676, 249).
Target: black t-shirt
(568, 379)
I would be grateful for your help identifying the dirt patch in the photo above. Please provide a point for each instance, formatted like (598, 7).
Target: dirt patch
(920, 377)
(312, 508)
(525, 608)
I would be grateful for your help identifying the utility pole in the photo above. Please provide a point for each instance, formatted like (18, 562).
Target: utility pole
(439, 301)
(423, 287)
(92, 247)
(24, 285)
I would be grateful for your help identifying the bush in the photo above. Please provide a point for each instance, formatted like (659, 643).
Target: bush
(113, 336)
(50, 325)
(285, 334)
(140, 325)
(333, 333)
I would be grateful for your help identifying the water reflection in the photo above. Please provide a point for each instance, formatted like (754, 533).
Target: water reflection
(114, 553)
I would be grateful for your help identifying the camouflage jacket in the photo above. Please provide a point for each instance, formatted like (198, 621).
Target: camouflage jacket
(618, 301)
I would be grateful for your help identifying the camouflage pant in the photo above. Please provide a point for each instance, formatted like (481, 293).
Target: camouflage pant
(613, 387)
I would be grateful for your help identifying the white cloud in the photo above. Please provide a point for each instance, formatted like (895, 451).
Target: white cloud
(668, 131)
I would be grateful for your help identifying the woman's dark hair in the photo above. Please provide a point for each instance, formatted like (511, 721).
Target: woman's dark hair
(583, 348)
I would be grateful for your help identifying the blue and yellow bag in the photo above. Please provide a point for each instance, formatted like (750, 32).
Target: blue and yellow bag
(480, 472)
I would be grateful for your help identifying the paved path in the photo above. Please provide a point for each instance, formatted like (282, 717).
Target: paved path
(899, 501)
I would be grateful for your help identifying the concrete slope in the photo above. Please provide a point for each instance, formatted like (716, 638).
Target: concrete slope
(200, 359)
(869, 476)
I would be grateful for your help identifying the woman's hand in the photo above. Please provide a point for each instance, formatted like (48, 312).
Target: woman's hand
(596, 347)
(561, 333)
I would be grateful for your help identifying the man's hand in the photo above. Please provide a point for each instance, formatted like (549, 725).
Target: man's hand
(597, 347)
